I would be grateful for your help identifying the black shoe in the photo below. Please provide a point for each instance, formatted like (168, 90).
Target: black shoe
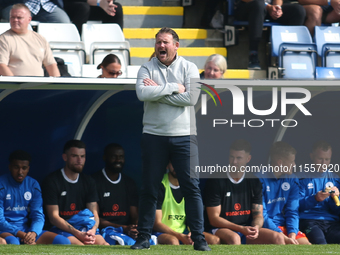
(201, 246)
(142, 243)
(254, 63)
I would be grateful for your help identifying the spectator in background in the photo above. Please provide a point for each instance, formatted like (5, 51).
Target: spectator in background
(107, 11)
(110, 67)
(118, 198)
(215, 67)
(70, 198)
(22, 51)
(256, 11)
(21, 208)
(48, 11)
(320, 11)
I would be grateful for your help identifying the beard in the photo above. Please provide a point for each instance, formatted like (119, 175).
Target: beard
(76, 169)
(115, 170)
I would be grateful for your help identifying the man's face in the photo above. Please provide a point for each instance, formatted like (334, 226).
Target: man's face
(75, 159)
(114, 160)
(288, 162)
(19, 20)
(238, 159)
(322, 157)
(19, 169)
(166, 48)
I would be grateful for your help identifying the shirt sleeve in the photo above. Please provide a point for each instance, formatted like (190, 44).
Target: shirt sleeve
(257, 191)
(36, 210)
(152, 93)
(50, 191)
(292, 209)
(4, 225)
(268, 222)
(188, 98)
(305, 202)
(212, 193)
(4, 51)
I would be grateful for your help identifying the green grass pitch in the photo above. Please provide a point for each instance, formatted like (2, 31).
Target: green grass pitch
(168, 249)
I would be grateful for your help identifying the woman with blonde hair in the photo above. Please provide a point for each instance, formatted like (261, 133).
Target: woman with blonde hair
(214, 67)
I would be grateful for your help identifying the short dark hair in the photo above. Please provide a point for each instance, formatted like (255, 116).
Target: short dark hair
(321, 144)
(109, 59)
(168, 30)
(19, 155)
(281, 150)
(241, 145)
(74, 143)
(111, 146)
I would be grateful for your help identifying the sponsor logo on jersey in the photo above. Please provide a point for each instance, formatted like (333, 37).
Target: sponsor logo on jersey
(73, 206)
(16, 208)
(8, 197)
(237, 206)
(310, 185)
(329, 185)
(285, 186)
(228, 194)
(68, 213)
(115, 207)
(279, 199)
(106, 214)
(63, 193)
(268, 189)
(176, 217)
(28, 195)
(238, 213)
(106, 194)
(8, 208)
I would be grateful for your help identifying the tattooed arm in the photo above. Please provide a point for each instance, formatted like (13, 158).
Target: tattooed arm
(56, 220)
(93, 207)
(257, 213)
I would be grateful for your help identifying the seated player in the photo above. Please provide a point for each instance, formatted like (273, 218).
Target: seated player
(21, 211)
(280, 192)
(234, 205)
(170, 214)
(118, 198)
(67, 192)
(319, 215)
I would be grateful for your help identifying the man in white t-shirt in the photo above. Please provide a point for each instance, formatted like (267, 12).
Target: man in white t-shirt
(24, 52)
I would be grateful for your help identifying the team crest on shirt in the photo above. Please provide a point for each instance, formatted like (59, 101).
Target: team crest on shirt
(28, 195)
(285, 186)
(329, 185)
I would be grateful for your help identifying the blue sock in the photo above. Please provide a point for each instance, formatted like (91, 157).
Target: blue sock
(59, 239)
(12, 240)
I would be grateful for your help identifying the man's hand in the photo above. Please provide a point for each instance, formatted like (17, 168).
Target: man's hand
(290, 239)
(321, 196)
(336, 5)
(181, 88)
(86, 237)
(131, 231)
(30, 238)
(185, 239)
(108, 7)
(149, 82)
(251, 232)
(275, 11)
(336, 193)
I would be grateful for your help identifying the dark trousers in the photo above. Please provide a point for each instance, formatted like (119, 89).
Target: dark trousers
(321, 231)
(157, 151)
(255, 13)
(81, 12)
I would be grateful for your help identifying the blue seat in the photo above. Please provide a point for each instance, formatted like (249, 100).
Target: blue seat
(295, 50)
(327, 40)
(327, 73)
